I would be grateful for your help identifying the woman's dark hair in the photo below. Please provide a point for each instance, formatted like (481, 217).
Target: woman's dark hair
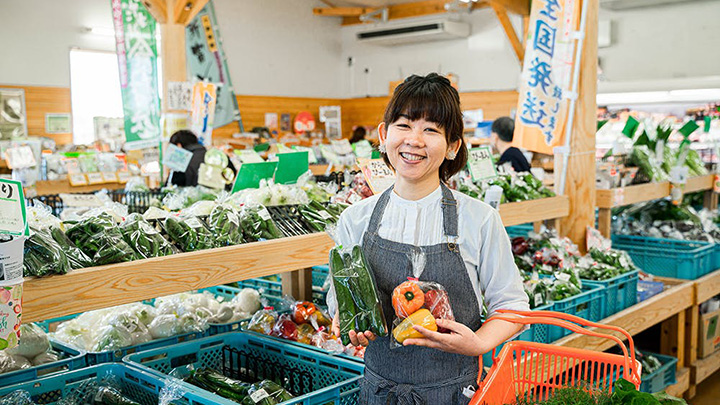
(184, 137)
(358, 134)
(431, 98)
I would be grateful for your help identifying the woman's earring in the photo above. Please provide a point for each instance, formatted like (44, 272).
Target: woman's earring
(451, 155)
(382, 148)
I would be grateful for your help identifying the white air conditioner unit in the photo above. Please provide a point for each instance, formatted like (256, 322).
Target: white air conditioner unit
(419, 31)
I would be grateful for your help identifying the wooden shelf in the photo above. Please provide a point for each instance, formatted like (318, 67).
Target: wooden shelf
(707, 286)
(639, 317)
(534, 210)
(682, 376)
(45, 187)
(99, 287)
(700, 183)
(618, 197)
(704, 368)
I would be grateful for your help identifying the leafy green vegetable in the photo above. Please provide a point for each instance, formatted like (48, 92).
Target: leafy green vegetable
(190, 234)
(257, 224)
(43, 256)
(224, 223)
(100, 239)
(75, 256)
(145, 239)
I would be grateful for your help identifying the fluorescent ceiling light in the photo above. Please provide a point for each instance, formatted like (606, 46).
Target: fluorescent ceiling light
(649, 97)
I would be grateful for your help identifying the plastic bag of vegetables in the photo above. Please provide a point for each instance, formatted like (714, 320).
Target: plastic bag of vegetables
(18, 397)
(43, 256)
(257, 224)
(188, 233)
(641, 157)
(100, 239)
(144, 238)
(76, 258)
(224, 223)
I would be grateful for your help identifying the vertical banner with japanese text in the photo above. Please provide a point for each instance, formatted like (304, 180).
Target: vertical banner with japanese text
(543, 105)
(136, 48)
(206, 61)
(204, 101)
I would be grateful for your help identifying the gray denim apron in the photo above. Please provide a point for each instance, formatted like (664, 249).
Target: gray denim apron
(416, 375)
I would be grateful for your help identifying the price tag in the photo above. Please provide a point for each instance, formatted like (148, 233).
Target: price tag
(176, 158)
(679, 175)
(249, 156)
(193, 222)
(13, 218)
(363, 149)
(324, 214)
(123, 177)
(264, 214)
(330, 155)
(110, 177)
(77, 179)
(21, 157)
(378, 176)
(481, 164)
(259, 395)
(716, 184)
(95, 178)
(80, 200)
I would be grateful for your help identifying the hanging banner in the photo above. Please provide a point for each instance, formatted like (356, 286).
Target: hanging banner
(206, 61)
(203, 112)
(136, 47)
(543, 105)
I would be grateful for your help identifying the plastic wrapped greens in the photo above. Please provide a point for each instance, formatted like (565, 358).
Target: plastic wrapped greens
(641, 157)
(75, 256)
(695, 164)
(144, 238)
(257, 224)
(358, 303)
(188, 233)
(318, 216)
(100, 239)
(43, 256)
(224, 223)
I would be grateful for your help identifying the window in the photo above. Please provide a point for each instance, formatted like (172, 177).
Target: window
(95, 91)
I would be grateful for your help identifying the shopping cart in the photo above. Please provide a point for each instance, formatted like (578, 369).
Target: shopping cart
(535, 370)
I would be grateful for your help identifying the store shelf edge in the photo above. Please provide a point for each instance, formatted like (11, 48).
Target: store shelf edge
(534, 210)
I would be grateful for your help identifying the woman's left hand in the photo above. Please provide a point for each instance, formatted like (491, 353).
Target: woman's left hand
(460, 340)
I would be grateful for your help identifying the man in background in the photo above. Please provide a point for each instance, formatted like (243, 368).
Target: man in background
(501, 138)
(187, 140)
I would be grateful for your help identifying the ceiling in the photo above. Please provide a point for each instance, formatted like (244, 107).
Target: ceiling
(367, 3)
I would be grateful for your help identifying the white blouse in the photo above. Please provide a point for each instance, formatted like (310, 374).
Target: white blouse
(484, 244)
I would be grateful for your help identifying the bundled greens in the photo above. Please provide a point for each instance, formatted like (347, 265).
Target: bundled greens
(662, 219)
(144, 238)
(604, 264)
(256, 224)
(43, 256)
(645, 160)
(76, 258)
(188, 233)
(318, 216)
(265, 392)
(224, 223)
(100, 239)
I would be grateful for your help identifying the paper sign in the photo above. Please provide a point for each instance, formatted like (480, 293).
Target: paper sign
(210, 176)
(290, 167)
(378, 176)
(95, 178)
(80, 200)
(363, 149)
(249, 156)
(630, 127)
(619, 197)
(58, 123)
(123, 177)
(77, 179)
(21, 157)
(341, 147)
(179, 96)
(109, 177)
(312, 159)
(176, 158)
(481, 164)
(250, 174)
(679, 175)
(13, 218)
(271, 121)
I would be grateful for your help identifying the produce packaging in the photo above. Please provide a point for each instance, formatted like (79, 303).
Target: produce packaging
(188, 233)
(265, 392)
(98, 236)
(263, 321)
(224, 223)
(319, 216)
(256, 223)
(144, 238)
(356, 292)
(33, 349)
(43, 256)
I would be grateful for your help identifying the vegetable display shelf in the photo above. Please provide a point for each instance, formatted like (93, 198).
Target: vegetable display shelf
(706, 287)
(99, 287)
(71, 359)
(518, 213)
(661, 378)
(140, 386)
(332, 378)
(607, 199)
(619, 292)
(682, 259)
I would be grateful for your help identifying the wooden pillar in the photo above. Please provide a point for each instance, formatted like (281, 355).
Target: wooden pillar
(580, 183)
(298, 284)
(692, 323)
(174, 64)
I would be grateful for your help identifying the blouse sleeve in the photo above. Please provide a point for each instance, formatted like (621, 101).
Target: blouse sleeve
(500, 279)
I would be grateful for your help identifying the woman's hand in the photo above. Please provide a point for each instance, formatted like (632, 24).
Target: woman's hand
(357, 339)
(460, 340)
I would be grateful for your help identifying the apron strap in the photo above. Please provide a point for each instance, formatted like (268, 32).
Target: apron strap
(449, 208)
(378, 212)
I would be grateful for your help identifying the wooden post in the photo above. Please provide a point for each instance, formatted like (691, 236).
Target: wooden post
(173, 50)
(580, 183)
(298, 284)
(692, 323)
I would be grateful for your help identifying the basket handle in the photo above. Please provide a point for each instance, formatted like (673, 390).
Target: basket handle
(575, 319)
(630, 372)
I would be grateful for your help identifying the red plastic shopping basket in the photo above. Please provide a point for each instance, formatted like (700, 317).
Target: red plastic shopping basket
(535, 370)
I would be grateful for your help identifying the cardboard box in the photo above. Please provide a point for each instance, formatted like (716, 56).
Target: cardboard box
(709, 336)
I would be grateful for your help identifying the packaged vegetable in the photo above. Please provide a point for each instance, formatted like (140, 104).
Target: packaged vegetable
(144, 238)
(306, 312)
(100, 239)
(111, 396)
(317, 216)
(33, 342)
(76, 258)
(285, 328)
(356, 292)
(188, 233)
(305, 333)
(43, 256)
(217, 383)
(404, 329)
(266, 392)
(224, 223)
(327, 341)
(257, 224)
(263, 321)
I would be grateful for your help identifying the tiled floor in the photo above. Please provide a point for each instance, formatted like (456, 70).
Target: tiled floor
(708, 392)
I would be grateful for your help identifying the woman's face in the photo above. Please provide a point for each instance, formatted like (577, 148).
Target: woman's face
(416, 149)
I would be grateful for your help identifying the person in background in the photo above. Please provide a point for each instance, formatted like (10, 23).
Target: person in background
(187, 140)
(501, 138)
(358, 134)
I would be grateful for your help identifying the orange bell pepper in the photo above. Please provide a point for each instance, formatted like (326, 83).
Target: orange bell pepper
(407, 298)
(405, 329)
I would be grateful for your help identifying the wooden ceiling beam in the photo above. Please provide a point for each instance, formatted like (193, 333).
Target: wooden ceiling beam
(185, 10)
(521, 7)
(408, 10)
(342, 11)
(517, 45)
(157, 9)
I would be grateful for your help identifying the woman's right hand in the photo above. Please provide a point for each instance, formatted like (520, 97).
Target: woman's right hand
(357, 339)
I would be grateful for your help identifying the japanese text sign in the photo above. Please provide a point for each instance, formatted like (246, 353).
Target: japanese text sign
(13, 218)
(176, 158)
(546, 77)
(481, 164)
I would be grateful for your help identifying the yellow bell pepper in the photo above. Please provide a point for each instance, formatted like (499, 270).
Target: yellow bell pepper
(405, 329)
